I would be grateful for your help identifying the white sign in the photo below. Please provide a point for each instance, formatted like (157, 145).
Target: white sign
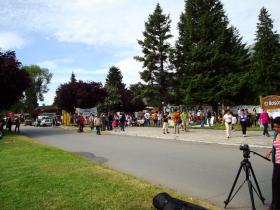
(87, 112)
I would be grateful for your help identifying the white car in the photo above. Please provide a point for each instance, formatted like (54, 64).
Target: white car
(46, 122)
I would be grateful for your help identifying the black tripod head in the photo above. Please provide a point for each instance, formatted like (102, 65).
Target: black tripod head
(246, 152)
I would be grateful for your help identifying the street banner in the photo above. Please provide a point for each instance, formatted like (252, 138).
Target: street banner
(270, 102)
(87, 112)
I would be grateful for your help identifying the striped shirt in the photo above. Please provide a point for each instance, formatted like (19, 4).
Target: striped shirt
(277, 147)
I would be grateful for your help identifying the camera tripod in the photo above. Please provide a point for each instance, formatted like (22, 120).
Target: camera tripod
(247, 167)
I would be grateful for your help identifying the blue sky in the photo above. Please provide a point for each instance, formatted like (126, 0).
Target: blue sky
(87, 37)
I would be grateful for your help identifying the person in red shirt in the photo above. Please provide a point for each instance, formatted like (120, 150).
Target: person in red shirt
(82, 123)
(264, 119)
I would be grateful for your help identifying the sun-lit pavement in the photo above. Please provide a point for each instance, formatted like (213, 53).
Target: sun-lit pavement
(253, 138)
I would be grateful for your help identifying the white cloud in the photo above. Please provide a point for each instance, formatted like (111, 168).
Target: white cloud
(115, 22)
(94, 22)
(11, 41)
(130, 70)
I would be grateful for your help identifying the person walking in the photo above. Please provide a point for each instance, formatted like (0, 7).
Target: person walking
(91, 121)
(275, 152)
(9, 124)
(147, 118)
(82, 123)
(122, 121)
(243, 122)
(17, 123)
(111, 119)
(264, 118)
(227, 119)
(155, 118)
(98, 123)
(2, 124)
(177, 121)
(160, 115)
(185, 119)
(209, 115)
(165, 123)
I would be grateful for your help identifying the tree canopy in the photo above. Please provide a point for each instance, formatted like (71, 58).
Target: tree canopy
(79, 95)
(156, 57)
(211, 61)
(14, 80)
(266, 57)
(40, 78)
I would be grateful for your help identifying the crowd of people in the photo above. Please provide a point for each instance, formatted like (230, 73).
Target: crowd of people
(104, 121)
(180, 121)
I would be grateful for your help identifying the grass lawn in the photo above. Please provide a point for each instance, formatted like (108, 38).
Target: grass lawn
(237, 127)
(35, 176)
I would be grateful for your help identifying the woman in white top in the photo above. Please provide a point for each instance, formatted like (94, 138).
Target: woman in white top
(228, 122)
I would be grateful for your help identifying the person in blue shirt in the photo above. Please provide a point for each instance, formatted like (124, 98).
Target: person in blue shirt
(243, 117)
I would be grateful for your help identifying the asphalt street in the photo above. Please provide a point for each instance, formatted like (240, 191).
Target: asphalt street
(204, 171)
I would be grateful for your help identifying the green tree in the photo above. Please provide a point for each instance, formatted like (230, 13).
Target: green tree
(40, 78)
(113, 86)
(73, 78)
(79, 94)
(266, 57)
(14, 80)
(210, 60)
(156, 58)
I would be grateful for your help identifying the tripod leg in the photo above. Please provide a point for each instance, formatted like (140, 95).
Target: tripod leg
(233, 186)
(257, 184)
(251, 194)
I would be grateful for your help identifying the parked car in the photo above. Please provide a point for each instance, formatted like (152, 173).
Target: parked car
(28, 122)
(46, 122)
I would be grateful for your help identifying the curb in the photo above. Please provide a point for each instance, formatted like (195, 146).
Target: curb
(193, 141)
(176, 138)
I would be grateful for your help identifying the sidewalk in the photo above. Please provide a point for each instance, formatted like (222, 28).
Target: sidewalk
(253, 139)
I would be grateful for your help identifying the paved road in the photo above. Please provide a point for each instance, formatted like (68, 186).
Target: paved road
(204, 171)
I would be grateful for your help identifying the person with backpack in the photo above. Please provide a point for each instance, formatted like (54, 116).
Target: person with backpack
(98, 124)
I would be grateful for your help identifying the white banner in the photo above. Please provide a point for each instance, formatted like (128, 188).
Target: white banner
(87, 112)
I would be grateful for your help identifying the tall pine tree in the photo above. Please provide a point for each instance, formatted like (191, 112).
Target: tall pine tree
(210, 59)
(114, 87)
(156, 50)
(266, 57)
(73, 78)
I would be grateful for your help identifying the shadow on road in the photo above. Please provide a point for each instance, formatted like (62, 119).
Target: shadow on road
(91, 156)
(36, 132)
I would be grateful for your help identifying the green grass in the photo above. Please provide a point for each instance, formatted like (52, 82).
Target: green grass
(35, 176)
(237, 127)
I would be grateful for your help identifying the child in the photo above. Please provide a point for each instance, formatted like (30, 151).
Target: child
(275, 151)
